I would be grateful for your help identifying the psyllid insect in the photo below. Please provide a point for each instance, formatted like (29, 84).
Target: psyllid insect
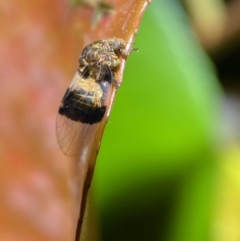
(85, 102)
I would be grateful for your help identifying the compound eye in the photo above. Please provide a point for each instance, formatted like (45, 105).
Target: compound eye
(116, 45)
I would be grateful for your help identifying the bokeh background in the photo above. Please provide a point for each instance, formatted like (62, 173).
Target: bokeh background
(177, 111)
(169, 163)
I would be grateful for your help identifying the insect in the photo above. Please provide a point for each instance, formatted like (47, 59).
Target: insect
(104, 51)
(85, 102)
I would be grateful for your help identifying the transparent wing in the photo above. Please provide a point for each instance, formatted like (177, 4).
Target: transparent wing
(82, 108)
(73, 136)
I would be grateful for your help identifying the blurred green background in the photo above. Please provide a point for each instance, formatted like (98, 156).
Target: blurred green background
(157, 174)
